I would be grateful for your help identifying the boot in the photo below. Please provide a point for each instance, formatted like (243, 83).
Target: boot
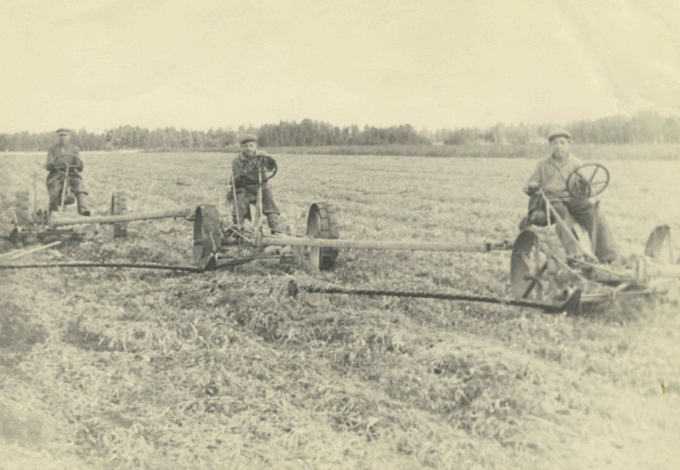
(273, 222)
(82, 204)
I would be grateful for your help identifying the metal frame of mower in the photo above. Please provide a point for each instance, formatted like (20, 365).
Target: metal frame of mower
(217, 246)
(541, 274)
(542, 271)
(68, 162)
(318, 249)
(41, 225)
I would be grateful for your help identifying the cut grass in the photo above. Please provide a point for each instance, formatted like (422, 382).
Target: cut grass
(585, 151)
(223, 370)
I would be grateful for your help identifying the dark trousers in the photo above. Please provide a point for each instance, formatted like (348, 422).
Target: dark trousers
(591, 218)
(243, 200)
(55, 187)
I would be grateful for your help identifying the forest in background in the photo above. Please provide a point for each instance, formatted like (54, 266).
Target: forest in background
(644, 127)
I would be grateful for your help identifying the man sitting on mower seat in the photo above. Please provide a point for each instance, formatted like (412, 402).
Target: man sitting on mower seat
(551, 175)
(57, 173)
(246, 190)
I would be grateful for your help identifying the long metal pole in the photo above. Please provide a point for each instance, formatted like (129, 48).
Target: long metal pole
(380, 245)
(570, 304)
(63, 192)
(233, 189)
(35, 194)
(14, 255)
(112, 219)
(559, 221)
(166, 267)
(259, 200)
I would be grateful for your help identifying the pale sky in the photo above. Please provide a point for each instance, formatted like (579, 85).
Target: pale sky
(198, 64)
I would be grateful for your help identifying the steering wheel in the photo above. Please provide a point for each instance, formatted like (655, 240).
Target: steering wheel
(67, 160)
(257, 165)
(587, 181)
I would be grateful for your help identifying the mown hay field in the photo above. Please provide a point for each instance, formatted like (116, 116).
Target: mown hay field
(143, 369)
(604, 152)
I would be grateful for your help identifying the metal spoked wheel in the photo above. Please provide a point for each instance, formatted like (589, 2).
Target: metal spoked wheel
(22, 208)
(535, 272)
(660, 245)
(207, 234)
(119, 207)
(321, 223)
(22, 217)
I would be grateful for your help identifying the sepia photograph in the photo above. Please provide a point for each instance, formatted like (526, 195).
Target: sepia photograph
(298, 234)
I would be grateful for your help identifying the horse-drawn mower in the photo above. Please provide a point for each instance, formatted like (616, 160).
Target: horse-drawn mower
(47, 226)
(217, 246)
(542, 270)
(542, 274)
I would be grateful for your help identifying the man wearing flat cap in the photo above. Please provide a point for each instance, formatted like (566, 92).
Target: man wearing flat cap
(246, 191)
(550, 175)
(63, 161)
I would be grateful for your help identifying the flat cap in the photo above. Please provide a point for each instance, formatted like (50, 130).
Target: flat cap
(63, 131)
(247, 138)
(559, 133)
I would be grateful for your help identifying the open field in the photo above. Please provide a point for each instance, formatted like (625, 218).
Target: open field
(134, 369)
(584, 151)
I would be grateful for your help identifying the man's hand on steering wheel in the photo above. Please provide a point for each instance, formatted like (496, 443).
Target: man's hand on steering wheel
(259, 168)
(531, 188)
(269, 163)
(239, 181)
(59, 164)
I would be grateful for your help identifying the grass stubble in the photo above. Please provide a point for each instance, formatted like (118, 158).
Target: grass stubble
(134, 369)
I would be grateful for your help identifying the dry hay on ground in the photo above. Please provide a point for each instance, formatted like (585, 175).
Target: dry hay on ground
(123, 369)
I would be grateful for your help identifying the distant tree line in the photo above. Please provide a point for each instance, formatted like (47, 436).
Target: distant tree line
(318, 133)
(644, 127)
(125, 137)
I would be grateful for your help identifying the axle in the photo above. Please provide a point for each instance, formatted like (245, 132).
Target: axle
(380, 245)
(113, 219)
